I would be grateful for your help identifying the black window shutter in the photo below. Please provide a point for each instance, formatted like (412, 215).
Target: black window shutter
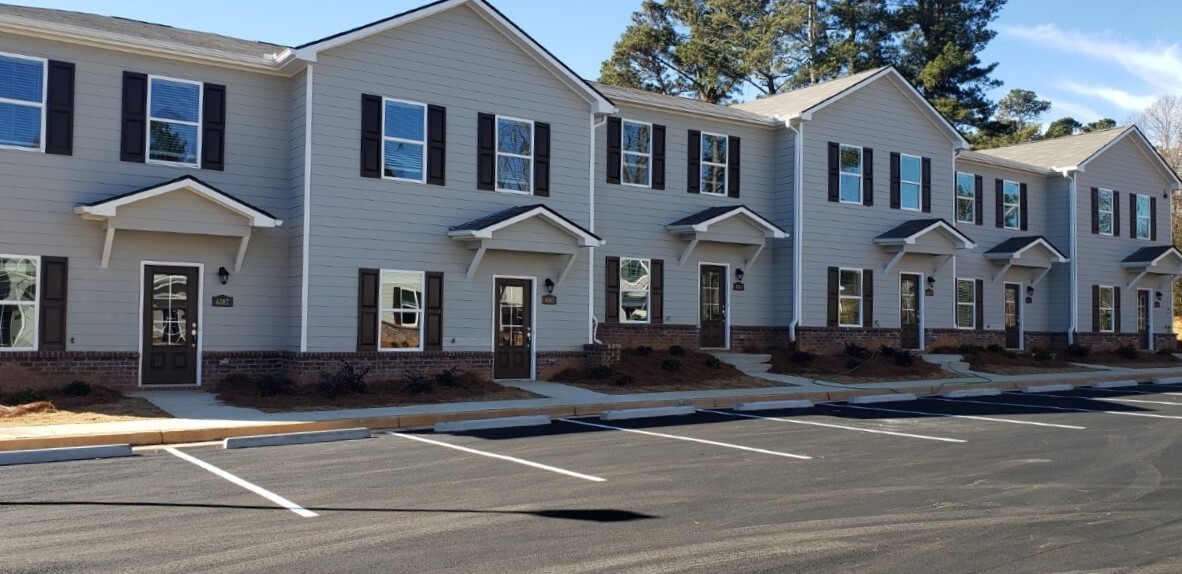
(867, 176)
(1023, 205)
(614, 138)
(1095, 210)
(1095, 308)
(927, 185)
(1153, 219)
(834, 171)
(611, 288)
(658, 159)
(213, 127)
(133, 145)
(542, 159)
(656, 291)
(486, 152)
(867, 298)
(896, 180)
(433, 313)
(59, 109)
(1132, 215)
(694, 163)
(367, 310)
(54, 288)
(1116, 309)
(436, 145)
(979, 199)
(1116, 214)
(998, 206)
(733, 153)
(371, 136)
(833, 290)
(980, 326)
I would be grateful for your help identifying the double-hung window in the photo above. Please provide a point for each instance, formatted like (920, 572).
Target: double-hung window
(22, 102)
(1011, 205)
(714, 162)
(174, 121)
(851, 174)
(19, 298)
(1106, 305)
(1142, 229)
(849, 298)
(400, 320)
(636, 139)
(966, 198)
(966, 303)
(635, 284)
(1104, 208)
(910, 179)
(404, 141)
(515, 155)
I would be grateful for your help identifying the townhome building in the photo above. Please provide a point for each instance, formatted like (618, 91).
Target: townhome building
(437, 190)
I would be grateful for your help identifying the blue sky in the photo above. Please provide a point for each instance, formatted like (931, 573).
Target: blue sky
(1091, 58)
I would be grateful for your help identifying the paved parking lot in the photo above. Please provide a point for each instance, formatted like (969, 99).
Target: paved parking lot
(1081, 481)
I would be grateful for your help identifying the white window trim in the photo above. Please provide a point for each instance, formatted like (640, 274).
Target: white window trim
(1111, 310)
(1005, 206)
(861, 174)
(41, 105)
(726, 175)
(972, 198)
(918, 184)
(385, 309)
(497, 153)
(1137, 217)
(859, 297)
(198, 124)
(391, 139)
(36, 305)
(648, 291)
(1111, 212)
(972, 304)
(624, 153)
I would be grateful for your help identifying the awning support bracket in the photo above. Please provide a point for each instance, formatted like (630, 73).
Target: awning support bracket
(1002, 273)
(476, 259)
(1138, 278)
(1040, 276)
(108, 243)
(894, 261)
(570, 264)
(688, 250)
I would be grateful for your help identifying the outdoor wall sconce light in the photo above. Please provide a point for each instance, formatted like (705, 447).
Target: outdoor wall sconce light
(1029, 294)
(931, 290)
(223, 275)
(1157, 299)
(549, 286)
(739, 275)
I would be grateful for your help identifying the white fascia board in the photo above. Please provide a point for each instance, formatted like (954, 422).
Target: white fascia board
(110, 209)
(769, 230)
(585, 239)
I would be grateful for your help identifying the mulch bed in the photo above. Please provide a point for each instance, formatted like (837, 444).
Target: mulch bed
(52, 406)
(637, 373)
(845, 368)
(1142, 361)
(1019, 364)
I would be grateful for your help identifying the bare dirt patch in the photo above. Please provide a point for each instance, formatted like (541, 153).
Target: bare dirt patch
(100, 406)
(1019, 363)
(857, 365)
(653, 371)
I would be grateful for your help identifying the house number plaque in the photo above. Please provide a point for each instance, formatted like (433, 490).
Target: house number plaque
(549, 299)
(223, 301)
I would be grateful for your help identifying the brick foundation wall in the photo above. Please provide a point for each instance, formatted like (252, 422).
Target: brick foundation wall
(834, 339)
(216, 365)
(629, 335)
(550, 363)
(596, 355)
(1165, 341)
(956, 337)
(1107, 341)
(50, 369)
(306, 367)
(1044, 340)
(750, 337)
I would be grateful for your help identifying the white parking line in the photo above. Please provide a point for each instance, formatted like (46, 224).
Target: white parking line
(1022, 405)
(690, 439)
(285, 503)
(1136, 392)
(833, 426)
(499, 457)
(973, 417)
(1144, 402)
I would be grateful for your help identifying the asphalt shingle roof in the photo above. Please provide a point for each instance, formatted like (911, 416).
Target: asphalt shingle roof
(1068, 151)
(677, 103)
(1016, 244)
(711, 213)
(507, 214)
(797, 101)
(909, 228)
(1147, 254)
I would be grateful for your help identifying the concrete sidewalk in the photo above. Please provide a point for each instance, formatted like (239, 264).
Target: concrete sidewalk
(200, 417)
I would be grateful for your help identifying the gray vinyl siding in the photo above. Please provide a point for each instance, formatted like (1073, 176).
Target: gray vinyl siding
(880, 117)
(39, 191)
(1125, 169)
(457, 60)
(632, 219)
(1056, 287)
(297, 94)
(783, 189)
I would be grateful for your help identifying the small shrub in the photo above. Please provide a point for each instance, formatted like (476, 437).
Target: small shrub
(452, 377)
(76, 389)
(1079, 351)
(1042, 354)
(1009, 354)
(903, 358)
(275, 385)
(856, 351)
(599, 373)
(802, 357)
(644, 350)
(347, 379)
(622, 379)
(418, 384)
(671, 365)
(1128, 352)
(713, 362)
(24, 397)
(237, 380)
(970, 349)
(676, 350)
(852, 363)
(888, 351)
(995, 348)
(568, 375)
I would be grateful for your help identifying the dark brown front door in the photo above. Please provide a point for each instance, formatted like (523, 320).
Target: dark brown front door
(909, 311)
(514, 337)
(1143, 318)
(712, 316)
(170, 325)
(1013, 317)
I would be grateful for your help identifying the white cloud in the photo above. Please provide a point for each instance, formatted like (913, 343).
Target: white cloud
(1080, 112)
(1116, 96)
(1159, 65)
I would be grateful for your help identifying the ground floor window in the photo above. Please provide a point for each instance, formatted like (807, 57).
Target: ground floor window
(635, 281)
(1107, 305)
(400, 324)
(966, 303)
(849, 298)
(18, 302)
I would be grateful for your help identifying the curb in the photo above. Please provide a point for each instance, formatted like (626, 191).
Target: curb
(64, 454)
(625, 414)
(1048, 388)
(871, 399)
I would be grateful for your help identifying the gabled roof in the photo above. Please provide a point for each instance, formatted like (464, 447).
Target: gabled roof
(978, 157)
(109, 207)
(909, 231)
(804, 102)
(488, 12)
(702, 220)
(1071, 153)
(1150, 255)
(1015, 246)
(682, 105)
(484, 227)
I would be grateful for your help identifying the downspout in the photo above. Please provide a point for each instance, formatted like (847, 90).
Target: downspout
(307, 215)
(1073, 253)
(592, 322)
(797, 224)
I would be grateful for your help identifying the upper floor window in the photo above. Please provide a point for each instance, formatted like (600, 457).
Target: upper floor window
(849, 298)
(851, 174)
(714, 162)
(174, 121)
(18, 303)
(22, 102)
(515, 155)
(404, 141)
(966, 198)
(636, 140)
(635, 284)
(1143, 218)
(1011, 205)
(400, 325)
(1104, 210)
(910, 179)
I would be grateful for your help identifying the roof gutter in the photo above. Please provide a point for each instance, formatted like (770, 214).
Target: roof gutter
(797, 223)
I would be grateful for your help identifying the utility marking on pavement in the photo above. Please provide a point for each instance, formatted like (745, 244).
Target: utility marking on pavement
(285, 503)
(690, 439)
(499, 457)
(833, 426)
(1052, 407)
(973, 417)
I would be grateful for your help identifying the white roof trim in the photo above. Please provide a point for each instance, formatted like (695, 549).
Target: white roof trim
(962, 239)
(585, 239)
(109, 209)
(600, 104)
(1154, 157)
(770, 230)
(1147, 265)
(1056, 256)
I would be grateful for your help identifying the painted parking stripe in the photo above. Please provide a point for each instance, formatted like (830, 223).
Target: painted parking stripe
(1070, 409)
(1136, 392)
(1139, 401)
(285, 503)
(833, 426)
(499, 457)
(972, 417)
(690, 439)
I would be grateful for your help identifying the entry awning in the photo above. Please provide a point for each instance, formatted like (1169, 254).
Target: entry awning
(530, 228)
(1035, 252)
(736, 225)
(1157, 260)
(183, 205)
(933, 237)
